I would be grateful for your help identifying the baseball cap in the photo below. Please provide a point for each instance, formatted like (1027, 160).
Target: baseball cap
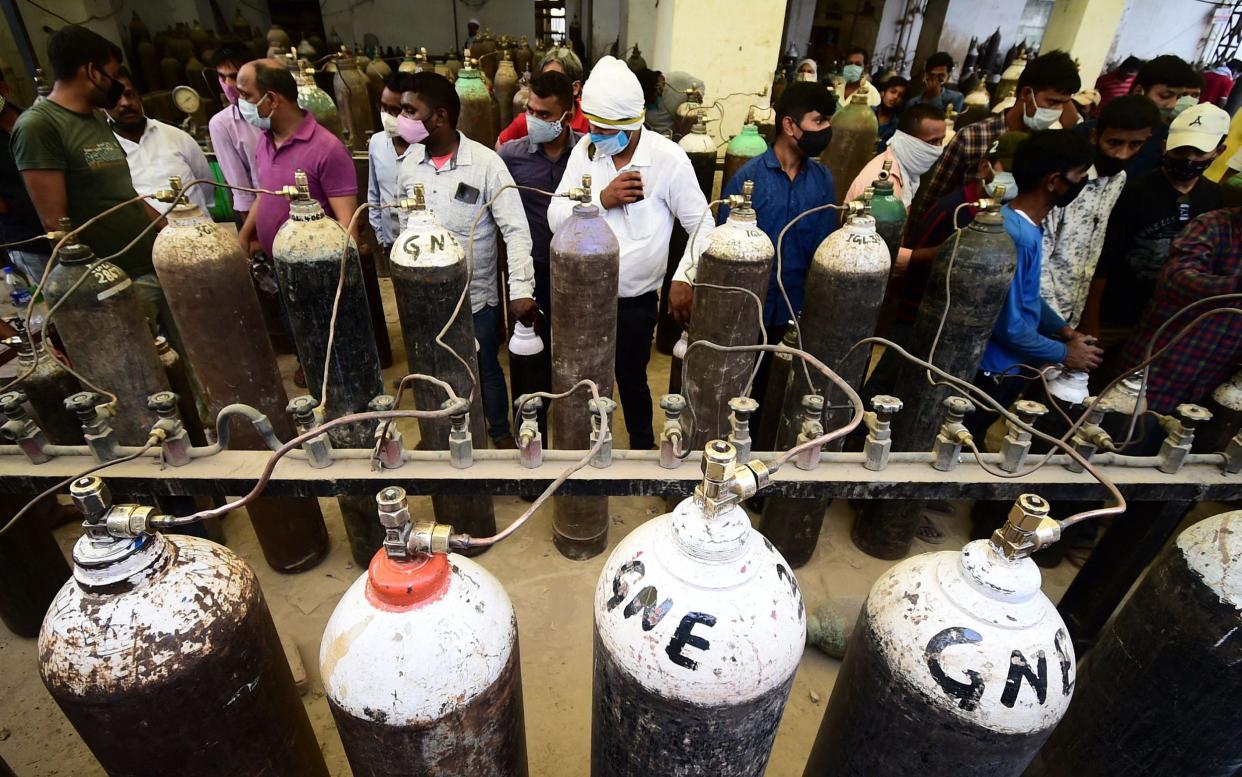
(1202, 126)
(1003, 148)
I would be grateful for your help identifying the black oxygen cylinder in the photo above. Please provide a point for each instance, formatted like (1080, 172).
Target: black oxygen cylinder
(1158, 693)
(428, 270)
(46, 390)
(981, 273)
(179, 379)
(107, 337)
(771, 406)
(307, 253)
(530, 370)
(32, 568)
(701, 150)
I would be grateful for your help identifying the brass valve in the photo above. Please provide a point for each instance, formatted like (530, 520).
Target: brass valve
(1027, 529)
(581, 193)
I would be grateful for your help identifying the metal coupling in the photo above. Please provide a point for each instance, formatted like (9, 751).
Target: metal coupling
(175, 447)
(725, 481)
(96, 424)
(301, 185)
(307, 415)
(1180, 437)
(1027, 529)
(673, 434)
(1233, 455)
(601, 429)
(21, 429)
(953, 433)
(394, 516)
(388, 452)
(106, 523)
(741, 409)
(879, 421)
(581, 193)
(1091, 436)
(812, 427)
(529, 439)
(460, 443)
(1017, 442)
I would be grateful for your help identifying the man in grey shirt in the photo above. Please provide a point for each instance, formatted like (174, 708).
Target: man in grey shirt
(460, 176)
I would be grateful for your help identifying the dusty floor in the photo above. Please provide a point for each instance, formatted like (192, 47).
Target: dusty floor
(553, 598)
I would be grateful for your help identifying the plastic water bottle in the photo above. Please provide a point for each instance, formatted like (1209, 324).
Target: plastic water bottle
(19, 289)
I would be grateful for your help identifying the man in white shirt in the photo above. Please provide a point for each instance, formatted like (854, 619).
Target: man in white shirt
(641, 181)
(156, 151)
(385, 151)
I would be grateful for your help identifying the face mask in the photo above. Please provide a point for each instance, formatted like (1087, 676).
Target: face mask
(1063, 200)
(1002, 179)
(1043, 118)
(1184, 170)
(852, 73)
(388, 123)
(411, 130)
(1108, 166)
(812, 143)
(610, 145)
(111, 95)
(230, 91)
(540, 131)
(1183, 102)
(806, 77)
(915, 156)
(250, 112)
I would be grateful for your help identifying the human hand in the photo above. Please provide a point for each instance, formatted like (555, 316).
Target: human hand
(523, 310)
(680, 301)
(622, 190)
(1082, 353)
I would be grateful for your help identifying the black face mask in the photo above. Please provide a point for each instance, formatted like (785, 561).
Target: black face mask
(111, 95)
(1184, 170)
(1108, 166)
(1063, 200)
(812, 144)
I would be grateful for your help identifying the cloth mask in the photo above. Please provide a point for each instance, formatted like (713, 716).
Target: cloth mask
(111, 95)
(1107, 166)
(250, 112)
(915, 157)
(389, 124)
(1184, 170)
(411, 130)
(610, 145)
(541, 131)
(1043, 118)
(813, 143)
(1006, 180)
(1183, 102)
(852, 73)
(230, 92)
(807, 77)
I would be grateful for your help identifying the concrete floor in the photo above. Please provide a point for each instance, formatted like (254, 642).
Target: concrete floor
(553, 598)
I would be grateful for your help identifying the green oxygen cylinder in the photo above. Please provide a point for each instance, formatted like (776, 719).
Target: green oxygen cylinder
(475, 121)
(854, 132)
(745, 146)
(888, 210)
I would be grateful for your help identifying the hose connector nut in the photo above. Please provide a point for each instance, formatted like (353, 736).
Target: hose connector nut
(530, 439)
(673, 434)
(812, 427)
(307, 415)
(388, 438)
(601, 429)
(1027, 529)
(953, 433)
(740, 411)
(460, 442)
(394, 516)
(1181, 437)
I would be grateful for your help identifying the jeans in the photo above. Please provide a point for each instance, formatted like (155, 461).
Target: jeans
(30, 264)
(495, 391)
(636, 322)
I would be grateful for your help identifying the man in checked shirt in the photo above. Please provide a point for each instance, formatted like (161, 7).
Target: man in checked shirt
(1045, 86)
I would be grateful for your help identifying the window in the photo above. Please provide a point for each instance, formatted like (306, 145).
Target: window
(550, 21)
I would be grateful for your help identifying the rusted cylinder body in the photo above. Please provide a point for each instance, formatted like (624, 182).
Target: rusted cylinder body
(32, 568)
(428, 271)
(179, 379)
(107, 337)
(207, 283)
(353, 103)
(46, 389)
(189, 648)
(475, 120)
(981, 274)
(738, 254)
(584, 266)
(504, 87)
(854, 130)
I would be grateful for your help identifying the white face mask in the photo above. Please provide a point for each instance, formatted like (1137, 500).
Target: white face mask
(1002, 179)
(1043, 118)
(389, 124)
(807, 77)
(915, 156)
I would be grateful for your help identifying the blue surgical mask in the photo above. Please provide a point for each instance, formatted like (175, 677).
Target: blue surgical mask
(250, 112)
(610, 145)
(852, 73)
(540, 131)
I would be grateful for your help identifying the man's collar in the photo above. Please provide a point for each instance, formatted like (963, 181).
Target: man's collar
(463, 155)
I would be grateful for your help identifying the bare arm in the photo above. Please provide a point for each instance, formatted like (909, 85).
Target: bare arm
(47, 192)
(343, 210)
(246, 235)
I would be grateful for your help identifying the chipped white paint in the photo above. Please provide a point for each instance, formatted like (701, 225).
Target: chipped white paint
(854, 249)
(1229, 393)
(696, 142)
(996, 607)
(416, 667)
(1213, 551)
(739, 240)
(723, 569)
(426, 243)
(95, 642)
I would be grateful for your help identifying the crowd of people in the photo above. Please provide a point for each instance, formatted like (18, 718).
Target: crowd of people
(1114, 223)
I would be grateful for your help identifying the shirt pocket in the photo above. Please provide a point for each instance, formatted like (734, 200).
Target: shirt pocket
(458, 216)
(641, 218)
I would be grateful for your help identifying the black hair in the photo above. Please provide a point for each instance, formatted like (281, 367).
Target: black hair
(915, 115)
(1131, 112)
(400, 81)
(940, 59)
(648, 79)
(802, 97)
(1235, 65)
(232, 51)
(71, 47)
(1054, 70)
(858, 50)
(1131, 63)
(123, 72)
(275, 79)
(894, 81)
(1048, 152)
(554, 84)
(1170, 70)
(437, 92)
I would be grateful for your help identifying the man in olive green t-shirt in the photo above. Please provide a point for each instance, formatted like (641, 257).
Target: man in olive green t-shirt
(73, 165)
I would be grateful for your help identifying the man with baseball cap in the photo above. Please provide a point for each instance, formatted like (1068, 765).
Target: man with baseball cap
(641, 181)
(1151, 212)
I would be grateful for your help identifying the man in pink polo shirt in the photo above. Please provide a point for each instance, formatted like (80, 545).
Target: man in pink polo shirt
(291, 140)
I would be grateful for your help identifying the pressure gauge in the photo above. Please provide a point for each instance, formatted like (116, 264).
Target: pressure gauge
(186, 99)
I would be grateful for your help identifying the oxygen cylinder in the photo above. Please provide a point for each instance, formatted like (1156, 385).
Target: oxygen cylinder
(745, 146)
(170, 635)
(1226, 409)
(522, 96)
(32, 568)
(475, 120)
(1009, 80)
(420, 663)
(584, 265)
(504, 88)
(523, 56)
(981, 274)
(179, 381)
(422, 62)
(738, 254)
(379, 68)
(408, 64)
(844, 292)
(312, 98)
(687, 113)
(701, 149)
(1158, 693)
(307, 253)
(485, 45)
(148, 64)
(206, 281)
(278, 38)
(107, 337)
(530, 369)
(241, 27)
(453, 64)
(428, 271)
(854, 132)
(975, 107)
(172, 72)
(353, 97)
(1124, 401)
(699, 627)
(635, 60)
(888, 211)
(46, 390)
(375, 86)
(770, 410)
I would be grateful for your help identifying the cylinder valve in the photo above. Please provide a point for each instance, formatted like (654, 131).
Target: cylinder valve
(21, 429)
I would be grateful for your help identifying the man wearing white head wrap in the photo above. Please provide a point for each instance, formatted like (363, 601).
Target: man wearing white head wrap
(641, 181)
(472, 32)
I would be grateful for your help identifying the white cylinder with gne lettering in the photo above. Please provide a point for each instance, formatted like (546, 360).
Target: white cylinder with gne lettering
(699, 627)
(959, 662)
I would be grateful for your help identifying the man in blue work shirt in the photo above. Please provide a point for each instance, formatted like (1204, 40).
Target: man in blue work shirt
(1050, 169)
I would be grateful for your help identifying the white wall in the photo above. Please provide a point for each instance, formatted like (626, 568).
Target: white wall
(798, 28)
(605, 27)
(639, 25)
(1153, 27)
(429, 23)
